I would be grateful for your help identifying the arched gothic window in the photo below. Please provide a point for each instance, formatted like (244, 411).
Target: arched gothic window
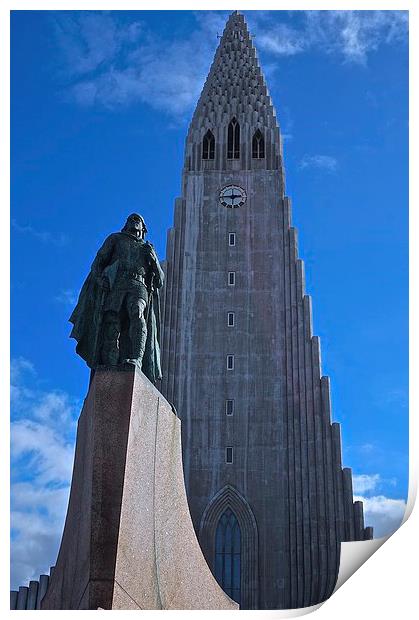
(208, 145)
(233, 140)
(229, 499)
(228, 554)
(258, 145)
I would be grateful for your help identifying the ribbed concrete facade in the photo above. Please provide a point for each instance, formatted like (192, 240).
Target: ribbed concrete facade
(240, 361)
(30, 596)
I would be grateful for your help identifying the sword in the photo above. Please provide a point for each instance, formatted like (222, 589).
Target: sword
(150, 297)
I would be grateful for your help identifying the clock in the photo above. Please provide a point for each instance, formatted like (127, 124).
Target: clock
(232, 196)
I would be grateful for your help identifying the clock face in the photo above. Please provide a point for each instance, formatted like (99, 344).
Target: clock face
(232, 196)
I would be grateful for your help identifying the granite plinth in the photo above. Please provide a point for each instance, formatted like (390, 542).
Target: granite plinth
(128, 540)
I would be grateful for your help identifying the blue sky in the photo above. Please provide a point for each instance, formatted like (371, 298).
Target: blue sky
(101, 103)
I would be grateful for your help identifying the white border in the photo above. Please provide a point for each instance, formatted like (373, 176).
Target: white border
(386, 585)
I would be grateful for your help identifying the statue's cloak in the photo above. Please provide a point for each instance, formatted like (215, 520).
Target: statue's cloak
(87, 321)
(151, 361)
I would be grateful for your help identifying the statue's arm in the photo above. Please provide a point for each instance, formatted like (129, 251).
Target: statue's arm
(103, 257)
(158, 273)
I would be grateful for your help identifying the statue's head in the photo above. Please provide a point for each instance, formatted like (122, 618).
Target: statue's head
(135, 224)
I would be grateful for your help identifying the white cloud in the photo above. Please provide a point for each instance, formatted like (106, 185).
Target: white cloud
(368, 483)
(282, 40)
(349, 35)
(37, 519)
(112, 62)
(46, 453)
(42, 235)
(19, 366)
(382, 513)
(395, 398)
(91, 39)
(364, 482)
(19, 393)
(151, 81)
(27, 498)
(67, 297)
(212, 22)
(42, 448)
(324, 162)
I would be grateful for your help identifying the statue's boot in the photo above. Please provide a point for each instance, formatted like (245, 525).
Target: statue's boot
(137, 352)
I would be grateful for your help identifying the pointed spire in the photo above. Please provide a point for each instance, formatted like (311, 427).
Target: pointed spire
(235, 85)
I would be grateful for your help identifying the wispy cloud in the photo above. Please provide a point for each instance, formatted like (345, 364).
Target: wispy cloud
(18, 367)
(107, 60)
(396, 399)
(348, 35)
(67, 297)
(323, 162)
(114, 63)
(42, 445)
(364, 482)
(368, 483)
(42, 235)
(90, 40)
(37, 520)
(382, 513)
(282, 40)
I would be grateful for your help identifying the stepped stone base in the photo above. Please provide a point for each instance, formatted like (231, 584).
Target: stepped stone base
(128, 540)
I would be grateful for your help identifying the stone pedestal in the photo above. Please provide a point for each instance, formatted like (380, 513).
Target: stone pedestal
(128, 540)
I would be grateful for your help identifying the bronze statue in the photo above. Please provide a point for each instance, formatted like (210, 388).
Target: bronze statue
(117, 317)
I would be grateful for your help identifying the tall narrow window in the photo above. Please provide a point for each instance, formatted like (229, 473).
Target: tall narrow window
(230, 319)
(229, 455)
(228, 554)
(258, 145)
(231, 278)
(233, 140)
(231, 238)
(230, 362)
(229, 406)
(208, 145)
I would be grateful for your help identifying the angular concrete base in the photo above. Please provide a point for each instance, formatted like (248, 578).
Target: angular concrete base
(128, 540)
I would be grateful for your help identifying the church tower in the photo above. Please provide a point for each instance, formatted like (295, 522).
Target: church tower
(269, 499)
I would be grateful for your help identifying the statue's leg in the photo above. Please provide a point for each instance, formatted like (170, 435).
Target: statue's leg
(110, 339)
(137, 327)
